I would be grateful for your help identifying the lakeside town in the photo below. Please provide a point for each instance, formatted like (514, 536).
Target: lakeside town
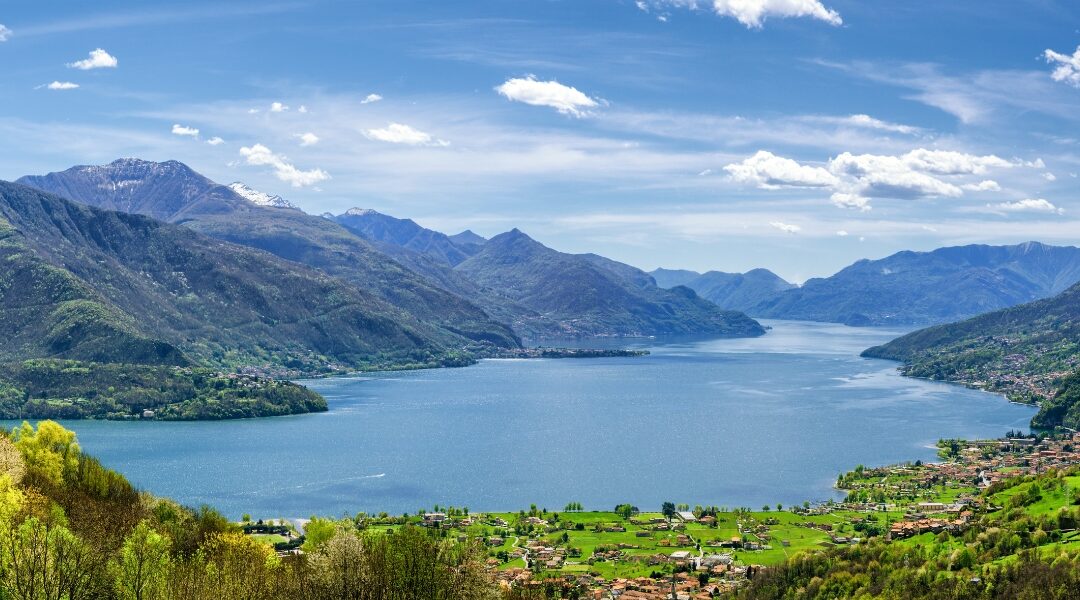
(684, 553)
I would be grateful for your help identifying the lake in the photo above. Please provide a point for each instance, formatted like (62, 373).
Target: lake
(739, 422)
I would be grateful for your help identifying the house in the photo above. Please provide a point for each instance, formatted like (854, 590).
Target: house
(686, 516)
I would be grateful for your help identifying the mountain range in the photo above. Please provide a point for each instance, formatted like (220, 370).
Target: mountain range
(430, 282)
(99, 285)
(543, 291)
(173, 192)
(906, 288)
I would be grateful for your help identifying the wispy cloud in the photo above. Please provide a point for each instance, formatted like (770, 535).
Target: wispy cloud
(866, 122)
(785, 227)
(307, 139)
(98, 59)
(215, 141)
(277, 107)
(136, 18)
(259, 155)
(973, 97)
(61, 85)
(5, 33)
(563, 98)
(370, 98)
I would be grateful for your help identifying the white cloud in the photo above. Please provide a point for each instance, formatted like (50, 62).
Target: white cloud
(215, 141)
(1028, 205)
(842, 233)
(302, 110)
(99, 59)
(945, 162)
(259, 155)
(1049, 176)
(5, 33)
(1067, 68)
(308, 139)
(62, 85)
(398, 133)
(785, 227)
(278, 107)
(371, 98)
(183, 130)
(880, 176)
(753, 13)
(856, 178)
(872, 123)
(565, 99)
(848, 200)
(987, 185)
(768, 171)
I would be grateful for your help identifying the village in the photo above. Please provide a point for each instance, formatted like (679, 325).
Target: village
(703, 552)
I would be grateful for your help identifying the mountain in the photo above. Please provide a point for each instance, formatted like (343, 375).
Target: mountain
(735, 291)
(95, 285)
(592, 295)
(1030, 352)
(404, 233)
(669, 278)
(920, 288)
(171, 191)
(434, 255)
(259, 198)
(467, 238)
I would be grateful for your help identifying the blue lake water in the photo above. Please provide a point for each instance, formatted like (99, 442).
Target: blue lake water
(729, 422)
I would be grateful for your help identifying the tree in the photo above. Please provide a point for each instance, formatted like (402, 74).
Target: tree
(143, 567)
(46, 560)
(668, 509)
(50, 452)
(337, 568)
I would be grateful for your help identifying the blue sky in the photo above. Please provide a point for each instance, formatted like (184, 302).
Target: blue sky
(798, 135)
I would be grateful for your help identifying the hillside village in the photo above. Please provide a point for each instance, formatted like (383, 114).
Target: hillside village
(704, 552)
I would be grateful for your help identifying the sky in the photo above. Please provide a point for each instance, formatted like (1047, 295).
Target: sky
(795, 135)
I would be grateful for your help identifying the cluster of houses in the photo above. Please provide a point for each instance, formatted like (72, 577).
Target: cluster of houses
(726, 577)
(981, 463)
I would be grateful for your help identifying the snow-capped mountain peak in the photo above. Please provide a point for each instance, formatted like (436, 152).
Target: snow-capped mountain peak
(259, 198)
(360, 212)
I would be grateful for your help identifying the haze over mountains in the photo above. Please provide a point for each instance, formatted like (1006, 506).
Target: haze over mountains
(906, 288)
(736, 291)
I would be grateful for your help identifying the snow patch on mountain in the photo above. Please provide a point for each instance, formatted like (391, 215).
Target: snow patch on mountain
(259, 198)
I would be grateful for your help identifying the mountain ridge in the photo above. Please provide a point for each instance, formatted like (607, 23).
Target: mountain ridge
(173, 192)
(923, 288)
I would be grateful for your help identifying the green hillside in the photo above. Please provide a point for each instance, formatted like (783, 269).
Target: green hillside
(1028, 352)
